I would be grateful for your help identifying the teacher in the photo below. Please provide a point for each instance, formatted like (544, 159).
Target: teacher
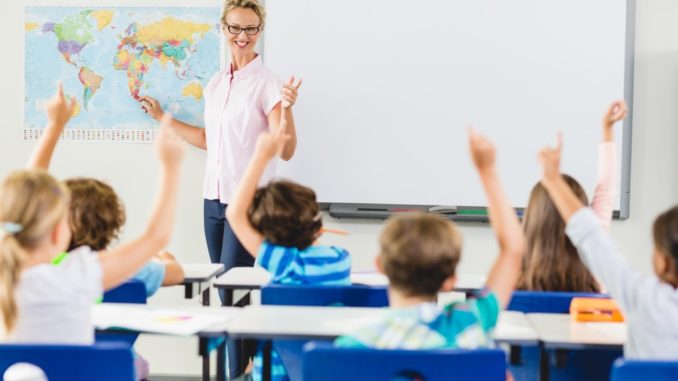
(241, 101)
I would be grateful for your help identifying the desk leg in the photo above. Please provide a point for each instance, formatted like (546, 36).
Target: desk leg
(204, 352)
(228, 296)
(515, 354)
(544, 364)
(266, 368)
(188, 291)
(221, 361)
(206, 296)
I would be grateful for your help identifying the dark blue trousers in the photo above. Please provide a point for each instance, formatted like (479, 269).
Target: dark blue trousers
(224, 247)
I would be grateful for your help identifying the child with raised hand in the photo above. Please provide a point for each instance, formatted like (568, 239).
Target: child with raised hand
(96, 213)
(43, 303)
(649, 302)
(419, 255)
(278, 225)
(551, 262)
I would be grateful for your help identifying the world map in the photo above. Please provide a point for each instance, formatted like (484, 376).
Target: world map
(109, 57)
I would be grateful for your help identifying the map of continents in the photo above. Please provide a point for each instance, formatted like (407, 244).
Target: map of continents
(108, 57)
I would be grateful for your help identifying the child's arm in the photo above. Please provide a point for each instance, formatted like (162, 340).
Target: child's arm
(504, 220)
(605, 193)
(269, 145)
(121, 263)
(59, 111)
(174, 273)
(594, 245)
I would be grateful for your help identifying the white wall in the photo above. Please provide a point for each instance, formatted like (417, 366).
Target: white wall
(131, 168)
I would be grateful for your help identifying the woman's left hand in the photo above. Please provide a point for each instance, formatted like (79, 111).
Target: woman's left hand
(289, 93)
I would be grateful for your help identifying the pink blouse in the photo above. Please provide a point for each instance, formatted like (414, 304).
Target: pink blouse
(236, 112)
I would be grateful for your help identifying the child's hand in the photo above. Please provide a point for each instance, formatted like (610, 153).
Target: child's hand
(59, 109)
(615, 113)
(289, 93)
(550, 160)
(151, 107)
(169, 146)
(270, 144)
(482, 151)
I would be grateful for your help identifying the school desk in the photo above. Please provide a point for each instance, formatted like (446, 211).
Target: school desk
(197, 278)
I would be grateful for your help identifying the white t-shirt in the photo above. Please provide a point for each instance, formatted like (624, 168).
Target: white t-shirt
(54, 302)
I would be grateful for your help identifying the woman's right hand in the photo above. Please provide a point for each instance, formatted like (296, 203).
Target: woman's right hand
(151, 107)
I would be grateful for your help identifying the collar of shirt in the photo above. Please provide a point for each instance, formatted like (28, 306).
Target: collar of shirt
(252, 67)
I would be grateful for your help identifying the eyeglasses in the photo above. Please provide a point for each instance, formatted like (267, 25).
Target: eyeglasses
(250, 30)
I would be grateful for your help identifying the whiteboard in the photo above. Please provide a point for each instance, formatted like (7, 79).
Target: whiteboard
(390, 85)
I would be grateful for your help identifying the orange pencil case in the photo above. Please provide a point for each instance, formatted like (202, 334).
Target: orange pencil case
(595, 310)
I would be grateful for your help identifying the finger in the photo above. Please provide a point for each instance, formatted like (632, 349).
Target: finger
(291, 81)
(60, 90)
(298, 85)
(145, 109)
(71, 104)
(559, 146)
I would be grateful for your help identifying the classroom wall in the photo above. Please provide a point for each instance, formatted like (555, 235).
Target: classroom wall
(131, 168)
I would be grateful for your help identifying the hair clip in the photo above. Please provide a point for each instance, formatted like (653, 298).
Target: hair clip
(11, 228)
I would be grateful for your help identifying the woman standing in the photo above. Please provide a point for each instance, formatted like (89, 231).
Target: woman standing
(241, 101)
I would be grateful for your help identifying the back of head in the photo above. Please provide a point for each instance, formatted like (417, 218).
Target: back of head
(32, 203)
(286, 214)
(418, 252)
(665, 234)
(97, 214)
(552, 262)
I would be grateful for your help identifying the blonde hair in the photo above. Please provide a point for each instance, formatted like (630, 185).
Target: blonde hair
(254, 5)
(418, 252)
(33, 202)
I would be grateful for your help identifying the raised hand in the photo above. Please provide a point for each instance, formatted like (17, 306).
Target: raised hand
(169, 147)
(550, 161)
(271, 144)
(482, 150)
(59, 109)
(290, 92)
(151, 107)
(615, 112)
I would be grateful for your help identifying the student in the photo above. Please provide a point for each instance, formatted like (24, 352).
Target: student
(43, 303)
(551, 262)
(278, 225)
(96, 217)
(649, 302)
(419, 255)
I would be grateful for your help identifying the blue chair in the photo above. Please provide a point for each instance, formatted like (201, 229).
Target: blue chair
(300, 295)
(588, 364)
(102, 362)
(131, 291)
(303, 295)
(636, 370)
(546, 302)
(322, 361)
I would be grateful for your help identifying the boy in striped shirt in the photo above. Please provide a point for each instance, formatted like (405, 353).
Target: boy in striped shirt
(419, 254)
(278, 224)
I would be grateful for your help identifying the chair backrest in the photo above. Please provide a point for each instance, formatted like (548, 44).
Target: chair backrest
(546, 302)
(632, 370)
(102, 362)
(131, 291)
(307, 295)
(322, 361)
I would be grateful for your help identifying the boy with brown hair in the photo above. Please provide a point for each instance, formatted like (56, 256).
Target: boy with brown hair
(419, 254)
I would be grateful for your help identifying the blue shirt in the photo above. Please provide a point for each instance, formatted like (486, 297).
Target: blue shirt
(315, 265)
(152, 275)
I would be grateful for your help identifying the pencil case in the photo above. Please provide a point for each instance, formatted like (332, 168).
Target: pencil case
(595, 310)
